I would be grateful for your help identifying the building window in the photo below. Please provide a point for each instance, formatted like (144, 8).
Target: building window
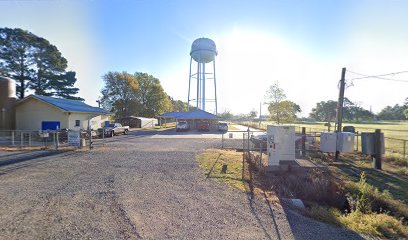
(77, 123)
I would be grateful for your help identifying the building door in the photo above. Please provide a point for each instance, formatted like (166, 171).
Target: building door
(50, 125)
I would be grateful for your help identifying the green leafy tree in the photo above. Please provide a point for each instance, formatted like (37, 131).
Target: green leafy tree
(151, 100)
(138, 94)
(281, 110)
(393, 113)
(253, 113)
(178, 105)
(324, 111)
(35, 64)
(287, 111)
(274, 96)
(227, 115)
(119, 92)
(353, 111)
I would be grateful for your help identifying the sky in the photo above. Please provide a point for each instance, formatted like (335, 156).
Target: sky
(301, 44)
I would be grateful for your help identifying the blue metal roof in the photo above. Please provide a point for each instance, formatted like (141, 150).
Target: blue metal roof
(196, 114)
(172, 114)
(70, 105)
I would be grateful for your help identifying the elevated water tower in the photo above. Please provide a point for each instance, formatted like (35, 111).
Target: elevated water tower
(7, 103)
(203, 52)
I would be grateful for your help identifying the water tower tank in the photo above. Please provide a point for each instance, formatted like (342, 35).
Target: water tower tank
(203, 50)
(7, 103)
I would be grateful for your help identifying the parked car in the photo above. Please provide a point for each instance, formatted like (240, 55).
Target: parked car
(222, 126)
(204, 126)
(260, 141)
(112, 129)
(182, 126)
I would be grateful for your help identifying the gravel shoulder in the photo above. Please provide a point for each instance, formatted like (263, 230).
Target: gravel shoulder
(134, 187)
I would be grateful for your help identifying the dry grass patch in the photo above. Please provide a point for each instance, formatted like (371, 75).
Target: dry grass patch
(212, 162)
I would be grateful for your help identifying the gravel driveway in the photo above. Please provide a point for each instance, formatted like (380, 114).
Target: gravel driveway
(136, 186)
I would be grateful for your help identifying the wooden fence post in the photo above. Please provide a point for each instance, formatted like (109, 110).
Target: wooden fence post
(377, 149)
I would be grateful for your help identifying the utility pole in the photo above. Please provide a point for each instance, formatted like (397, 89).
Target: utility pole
(260, 113)
(339, 120)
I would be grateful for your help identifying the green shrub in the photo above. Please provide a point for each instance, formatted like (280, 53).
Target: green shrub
(366, 199)
(375, 224)
(324, 214)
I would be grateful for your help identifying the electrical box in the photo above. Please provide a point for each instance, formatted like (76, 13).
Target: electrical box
(328, 141)
(345, 142)
(332, 142)
(367, 143)
(280, 144)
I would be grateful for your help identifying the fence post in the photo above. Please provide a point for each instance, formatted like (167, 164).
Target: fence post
(243, 156)
(260, 158)
(21, 139)
(29, 139)
(303, 142)
(90, 140)
(53, 139)
(357, 141)
(12, 138)
(249, 156)
(222, 141)
(405, 145)
(377, 149)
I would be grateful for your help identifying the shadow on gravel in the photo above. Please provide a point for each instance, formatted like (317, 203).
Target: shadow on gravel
(212, 168)
(247, 172)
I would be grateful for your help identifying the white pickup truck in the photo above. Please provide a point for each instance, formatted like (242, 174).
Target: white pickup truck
(112, 129)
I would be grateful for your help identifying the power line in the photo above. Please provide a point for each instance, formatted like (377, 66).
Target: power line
(381, 76)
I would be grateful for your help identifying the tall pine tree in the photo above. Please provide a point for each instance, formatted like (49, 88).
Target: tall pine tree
(36, 64)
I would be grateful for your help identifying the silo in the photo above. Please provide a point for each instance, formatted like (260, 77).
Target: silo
(7, 103)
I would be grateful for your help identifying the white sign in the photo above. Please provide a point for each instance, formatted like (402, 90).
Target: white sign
(73, 138)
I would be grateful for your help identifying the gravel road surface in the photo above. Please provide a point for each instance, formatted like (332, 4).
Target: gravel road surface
(140, 186)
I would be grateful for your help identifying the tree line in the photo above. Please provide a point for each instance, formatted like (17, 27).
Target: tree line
(282, 110)
(326, 111)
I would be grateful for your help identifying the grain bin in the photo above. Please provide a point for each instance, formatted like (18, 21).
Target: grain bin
(7, 103)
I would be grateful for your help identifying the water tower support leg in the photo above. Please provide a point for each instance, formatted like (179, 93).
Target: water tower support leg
(189, 83)
(215, 89)
(198, 84)
(203, 97)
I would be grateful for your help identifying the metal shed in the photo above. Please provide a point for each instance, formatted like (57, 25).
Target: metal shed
(193, 118)
(138, 122)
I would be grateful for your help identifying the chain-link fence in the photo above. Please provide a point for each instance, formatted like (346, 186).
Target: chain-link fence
(235, 139)
(41, 139)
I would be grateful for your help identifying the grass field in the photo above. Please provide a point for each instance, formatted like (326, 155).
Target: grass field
(391, 129)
